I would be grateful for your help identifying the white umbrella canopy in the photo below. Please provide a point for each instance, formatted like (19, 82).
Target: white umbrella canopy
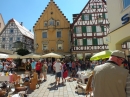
(3, 55)
(32, 55)
(54, 55)
(14, 56)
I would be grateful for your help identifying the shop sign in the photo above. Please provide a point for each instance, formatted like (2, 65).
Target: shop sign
(126, 18)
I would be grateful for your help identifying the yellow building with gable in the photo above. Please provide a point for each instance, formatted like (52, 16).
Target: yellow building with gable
(52, 31)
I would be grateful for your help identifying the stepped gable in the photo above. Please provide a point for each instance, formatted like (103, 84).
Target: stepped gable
(83, 10)
(46, 8)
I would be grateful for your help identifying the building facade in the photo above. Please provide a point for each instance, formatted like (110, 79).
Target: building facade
(2, 24)
(52, 31)
(15, 33)
(119, 18)
(89, 28)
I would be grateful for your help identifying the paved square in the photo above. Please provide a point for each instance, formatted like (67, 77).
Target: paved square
(48, 89)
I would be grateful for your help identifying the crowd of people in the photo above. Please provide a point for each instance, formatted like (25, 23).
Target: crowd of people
(7, 66)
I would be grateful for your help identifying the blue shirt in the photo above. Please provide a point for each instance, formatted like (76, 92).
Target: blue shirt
(70, 65)
(33, 64)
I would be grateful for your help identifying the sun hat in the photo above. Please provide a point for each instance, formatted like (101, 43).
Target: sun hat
(118, 53)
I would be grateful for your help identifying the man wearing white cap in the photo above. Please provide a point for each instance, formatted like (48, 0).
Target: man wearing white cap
(111, 80)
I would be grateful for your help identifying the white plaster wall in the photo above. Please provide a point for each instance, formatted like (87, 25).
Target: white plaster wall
(115, 12)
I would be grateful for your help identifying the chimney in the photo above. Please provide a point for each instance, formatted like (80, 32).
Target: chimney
(21, 23)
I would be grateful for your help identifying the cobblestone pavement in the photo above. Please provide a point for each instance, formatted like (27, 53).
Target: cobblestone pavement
(48, 89)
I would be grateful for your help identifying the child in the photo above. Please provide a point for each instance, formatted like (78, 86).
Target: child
(65, 74)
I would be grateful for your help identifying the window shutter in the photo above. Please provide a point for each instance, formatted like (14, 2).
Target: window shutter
(103, 15)
(84, 29)
(75, 42)
(90, 17)
(83, 17)
(74, 29)
(84, 42)
(95, 42)
(93, 6)
(102, 28)
(93, 29)
(100, 6)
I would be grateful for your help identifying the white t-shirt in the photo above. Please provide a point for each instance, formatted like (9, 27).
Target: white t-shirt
(58, 65)
(5, 67)
(49, 64)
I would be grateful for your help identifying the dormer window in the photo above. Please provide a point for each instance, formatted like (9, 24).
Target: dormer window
(51, 22)
(57, 23)
(45, 24)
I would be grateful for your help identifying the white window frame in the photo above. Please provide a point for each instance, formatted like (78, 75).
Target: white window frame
(98, 29)
(127, 2)
(51, 22)
(79, 41)
(100, 41)
(86, 16)
(44, 32)
(78, 30)
(59, 46)
(17, 38)
(10, 38)
(89, 28)
(43, 46)
(45, 24)
(89, 41)
(3, 46)
(57, 33)
(57, 22)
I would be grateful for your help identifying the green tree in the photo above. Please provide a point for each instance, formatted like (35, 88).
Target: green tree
(22, 52)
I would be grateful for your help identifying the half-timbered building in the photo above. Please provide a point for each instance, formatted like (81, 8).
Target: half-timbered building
(15, 32)
(89, 28)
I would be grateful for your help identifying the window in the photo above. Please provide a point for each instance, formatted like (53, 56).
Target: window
(11, 24)
(45, 47)
(11, 39)
(45, 24)
(60, 46)
(58, 34)
(57, 23)
(98, 29)
(44, 35)
(18, 38)
(78, 29)
(89, 29)
(89, 41)
(3, 46)
(51, 22)
(100, 41)
(79, 41)
(86, 16)
(11, 31)
(126, 3)
(3, 39)
(0, 25)
(10, 46)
